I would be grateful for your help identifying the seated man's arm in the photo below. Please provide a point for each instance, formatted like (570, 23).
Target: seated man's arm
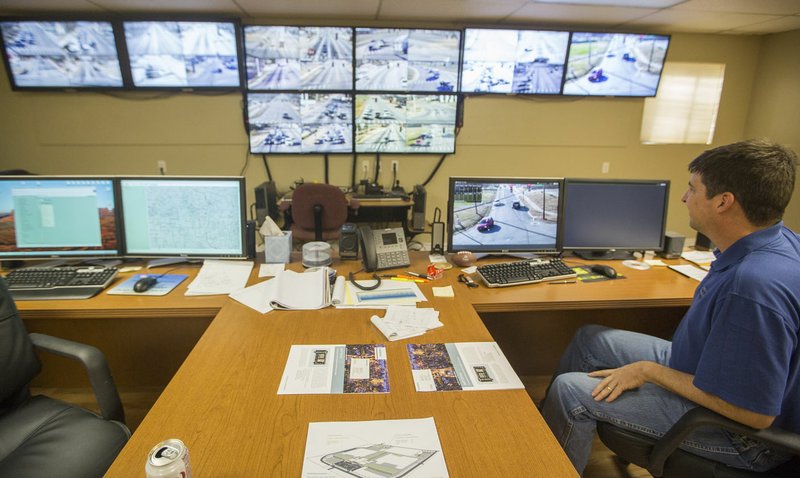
(616, 381)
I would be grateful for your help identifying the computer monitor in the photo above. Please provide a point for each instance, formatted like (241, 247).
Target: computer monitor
(615, 64)
(522, 62)
(186, 217)
(43, 217)
(504, 215)
(607, 219)
(299, 58)
(396, 123)
(184, 54)
(46, 54)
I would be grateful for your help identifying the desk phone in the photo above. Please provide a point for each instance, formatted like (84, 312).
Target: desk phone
(383, 248)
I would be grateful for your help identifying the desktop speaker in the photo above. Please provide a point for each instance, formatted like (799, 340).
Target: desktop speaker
(673, 245)
(266, 201)
(418, 211)
(250, 239)
(703, 243)
(348, 242)
(437, 237)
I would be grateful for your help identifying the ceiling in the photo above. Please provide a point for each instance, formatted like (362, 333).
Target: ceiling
(746, 17)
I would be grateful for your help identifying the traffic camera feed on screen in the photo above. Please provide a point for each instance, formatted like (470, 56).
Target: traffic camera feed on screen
(407, 60)
(182, 54)
(513, 61)
(299, 123)
(62, 54)
(499, 216)
(615, 64)
(299, 58)
(405, 123)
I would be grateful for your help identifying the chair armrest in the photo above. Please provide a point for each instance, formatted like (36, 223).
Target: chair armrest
(96, 368)
(702, 417)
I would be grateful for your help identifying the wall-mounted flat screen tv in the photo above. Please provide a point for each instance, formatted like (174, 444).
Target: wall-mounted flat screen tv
(300, 123)
(178, 54)
(394, 123)
(525, 62)
(60, 54)
(403, 60)
(615, 64)
(299, 58)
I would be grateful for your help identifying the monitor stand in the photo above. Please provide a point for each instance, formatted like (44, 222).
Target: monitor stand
(78, 262)
(518, 255)
(168, 261)
(604, 255)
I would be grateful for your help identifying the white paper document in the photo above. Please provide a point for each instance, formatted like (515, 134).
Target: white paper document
(379, 448)
(315, 369)
(389, 293)
(461, 366)
(302, 290)
(702, 258)
(220, 277)
(270, 270)
(690, 271)
(402, 322)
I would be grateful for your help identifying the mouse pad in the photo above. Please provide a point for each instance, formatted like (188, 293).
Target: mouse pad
(586, 275)
(164, 285)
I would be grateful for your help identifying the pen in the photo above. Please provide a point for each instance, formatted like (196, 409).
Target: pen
(421, 276)
(403, 279)
(563, 282)
(405, 276)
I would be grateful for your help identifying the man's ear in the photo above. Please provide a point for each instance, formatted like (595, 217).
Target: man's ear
(725, 201)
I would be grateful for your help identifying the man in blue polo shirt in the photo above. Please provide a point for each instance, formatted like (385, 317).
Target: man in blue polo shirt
(737, 349)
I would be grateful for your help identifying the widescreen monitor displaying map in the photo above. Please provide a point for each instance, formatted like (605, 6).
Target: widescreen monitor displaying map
(61, 54)
(417, 60)
(184, 216)
(45, 217)
(298, 58)
(504, 215)
(615, 64)
(522, 62)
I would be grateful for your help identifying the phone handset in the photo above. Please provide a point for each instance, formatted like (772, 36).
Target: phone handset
(370, 254)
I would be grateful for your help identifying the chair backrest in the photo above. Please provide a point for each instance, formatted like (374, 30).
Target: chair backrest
(18, 361)
(332, 200)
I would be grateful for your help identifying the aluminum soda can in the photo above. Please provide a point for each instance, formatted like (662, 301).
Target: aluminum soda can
(168, 459)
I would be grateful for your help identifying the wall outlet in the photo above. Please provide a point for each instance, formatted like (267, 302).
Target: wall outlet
(605, 168)
(162, 167)
(365, 168)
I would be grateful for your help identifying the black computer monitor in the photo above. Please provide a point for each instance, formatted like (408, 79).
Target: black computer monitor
(43, 217)
(504, 215)
(60, 54)
(186, 217)
(607, 219)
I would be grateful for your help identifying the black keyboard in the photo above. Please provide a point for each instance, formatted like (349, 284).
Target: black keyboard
(37, 283)
(506, 274)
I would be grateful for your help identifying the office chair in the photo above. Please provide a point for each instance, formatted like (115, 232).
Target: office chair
(318, 212)
(40, 436)
(662, 457)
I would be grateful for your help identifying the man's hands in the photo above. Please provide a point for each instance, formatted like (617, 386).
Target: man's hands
(618, 380)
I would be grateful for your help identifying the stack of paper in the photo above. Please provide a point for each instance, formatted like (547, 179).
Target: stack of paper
(289, 290)
(220, 277)
(702, 258)
(403, 322)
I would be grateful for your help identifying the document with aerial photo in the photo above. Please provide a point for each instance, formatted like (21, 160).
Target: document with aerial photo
(315, 369)
(461, 366)
(380, 448)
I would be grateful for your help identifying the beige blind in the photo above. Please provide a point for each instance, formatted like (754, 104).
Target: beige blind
(685, 109)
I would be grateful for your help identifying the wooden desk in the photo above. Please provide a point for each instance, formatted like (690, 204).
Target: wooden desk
(223, 401)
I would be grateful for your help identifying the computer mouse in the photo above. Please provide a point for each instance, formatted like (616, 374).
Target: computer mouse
(604, 270)
(145, 283)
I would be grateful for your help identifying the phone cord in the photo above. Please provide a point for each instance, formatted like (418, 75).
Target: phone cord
(365, 287)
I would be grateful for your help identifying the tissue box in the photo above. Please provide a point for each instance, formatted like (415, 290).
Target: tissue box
(278, 249)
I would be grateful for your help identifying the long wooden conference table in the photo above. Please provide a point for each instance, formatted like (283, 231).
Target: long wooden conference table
(223, 401)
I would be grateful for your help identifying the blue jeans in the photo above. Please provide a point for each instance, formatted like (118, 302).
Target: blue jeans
(572, 413)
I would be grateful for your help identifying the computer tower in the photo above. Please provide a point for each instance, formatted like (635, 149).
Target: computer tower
(418, 211)
(266, 202)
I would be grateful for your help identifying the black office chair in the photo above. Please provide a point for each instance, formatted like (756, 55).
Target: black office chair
(318, 212)
(43, 437)
(662, 457)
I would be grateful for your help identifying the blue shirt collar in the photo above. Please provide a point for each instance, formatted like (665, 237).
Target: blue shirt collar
(745, 246)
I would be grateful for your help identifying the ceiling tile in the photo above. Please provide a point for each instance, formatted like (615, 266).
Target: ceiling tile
(770, 7)
(338, 9)
(698, 21)
(449, 10)
(782, 24)
(617, 3)
(41, 6)
(579, 14)
(156, 6)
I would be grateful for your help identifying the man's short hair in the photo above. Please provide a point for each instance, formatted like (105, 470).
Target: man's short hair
(759, 173)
